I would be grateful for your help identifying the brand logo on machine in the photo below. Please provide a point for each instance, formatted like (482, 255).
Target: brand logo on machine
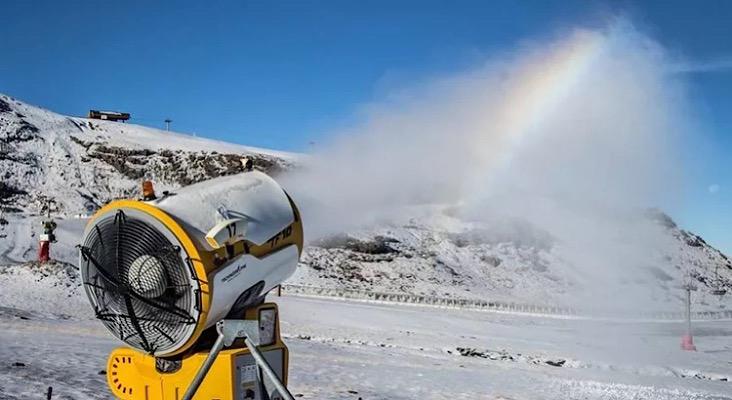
(233, 274)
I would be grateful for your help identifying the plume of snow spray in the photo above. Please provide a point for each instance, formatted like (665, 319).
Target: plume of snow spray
(575, 135)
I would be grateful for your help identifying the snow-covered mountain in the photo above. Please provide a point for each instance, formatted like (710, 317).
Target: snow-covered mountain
(82, 163)
(442, 255)
(79, 164)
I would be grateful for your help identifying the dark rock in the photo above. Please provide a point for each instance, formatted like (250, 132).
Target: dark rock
(661, 218)
(182, 168)
(693, 240)
(80, 142)
(555, 363)
(378, 245)
(8, 191)
(5, 107)
(26, 128)
(492, 260)
(519, 232)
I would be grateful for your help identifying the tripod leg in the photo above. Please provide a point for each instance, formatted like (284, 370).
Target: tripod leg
(264, 365)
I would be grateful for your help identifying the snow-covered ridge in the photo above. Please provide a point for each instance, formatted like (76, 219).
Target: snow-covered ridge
(515, 262)
(81, 163)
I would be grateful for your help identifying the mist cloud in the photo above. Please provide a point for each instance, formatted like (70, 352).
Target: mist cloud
(576, 135)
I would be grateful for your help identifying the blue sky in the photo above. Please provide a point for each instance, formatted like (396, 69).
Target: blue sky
(284, 74)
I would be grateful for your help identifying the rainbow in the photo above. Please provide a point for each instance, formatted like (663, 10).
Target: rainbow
(541, 86)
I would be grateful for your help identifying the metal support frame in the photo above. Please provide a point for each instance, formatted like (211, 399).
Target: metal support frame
(688, 310)
(230, 330)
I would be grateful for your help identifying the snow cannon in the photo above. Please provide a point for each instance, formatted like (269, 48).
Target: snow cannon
(182, 281)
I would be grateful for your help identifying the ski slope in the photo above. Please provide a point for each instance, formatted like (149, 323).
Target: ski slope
(345, 350)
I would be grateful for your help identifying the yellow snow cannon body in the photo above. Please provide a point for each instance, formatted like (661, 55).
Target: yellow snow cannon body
(172, 277)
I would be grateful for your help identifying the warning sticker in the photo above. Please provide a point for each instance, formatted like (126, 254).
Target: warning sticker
(248, 373)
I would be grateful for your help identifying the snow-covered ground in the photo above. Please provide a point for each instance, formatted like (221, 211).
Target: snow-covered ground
(344, 350)
(399, 352)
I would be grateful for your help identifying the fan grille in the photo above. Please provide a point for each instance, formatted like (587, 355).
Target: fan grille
(138, 283)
